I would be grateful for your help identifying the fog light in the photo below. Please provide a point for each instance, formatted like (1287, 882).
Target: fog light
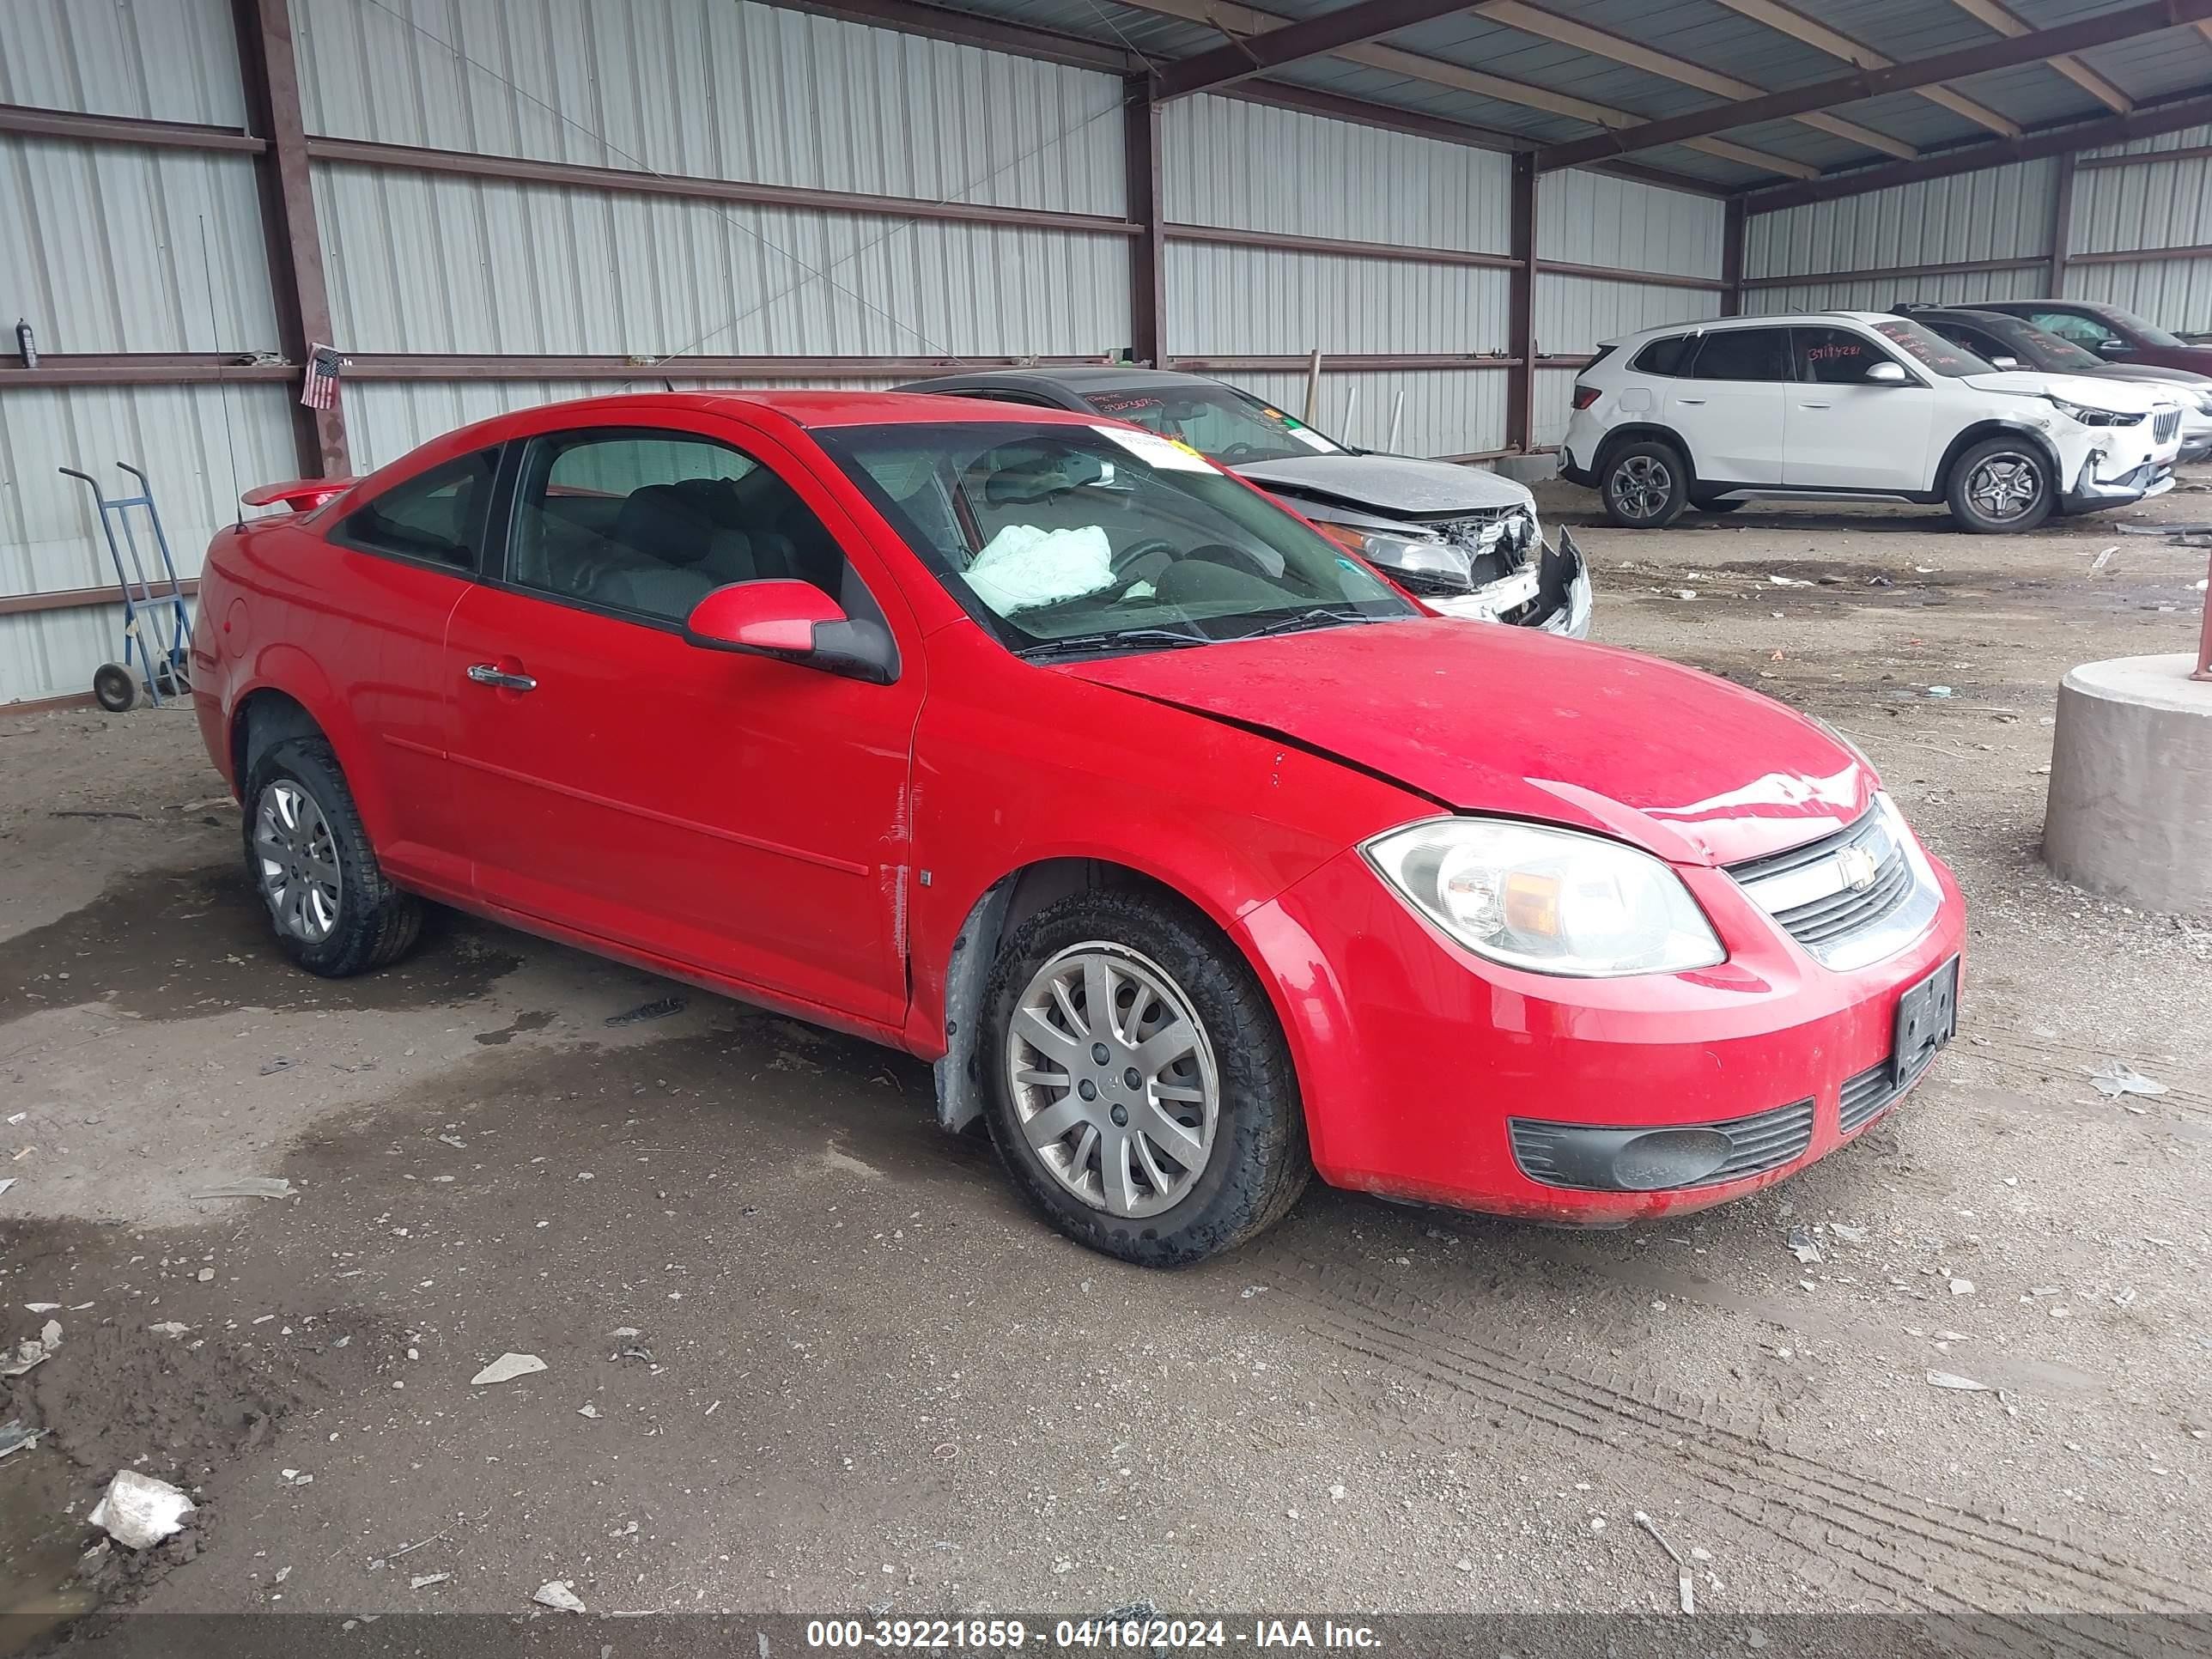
(1669, 1157)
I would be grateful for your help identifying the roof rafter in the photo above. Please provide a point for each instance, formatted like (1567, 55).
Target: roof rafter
(1436, 71)
(2006, 22)
(1835, 43)
(1566, 32)
(2080, 34)
(1290, 43)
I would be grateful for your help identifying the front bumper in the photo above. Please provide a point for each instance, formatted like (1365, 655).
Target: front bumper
(1418, 1060)
(2091, 492)
(1554, 597)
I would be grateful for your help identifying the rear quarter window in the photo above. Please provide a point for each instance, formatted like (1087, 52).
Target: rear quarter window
(1664, 357)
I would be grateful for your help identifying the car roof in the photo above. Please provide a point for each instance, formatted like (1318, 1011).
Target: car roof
(1080, 378)
(1778, 320)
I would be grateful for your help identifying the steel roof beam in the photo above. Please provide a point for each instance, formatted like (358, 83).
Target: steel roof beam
(2011, 25)
(1311, 37)
(1787, 20)
(2080, 35)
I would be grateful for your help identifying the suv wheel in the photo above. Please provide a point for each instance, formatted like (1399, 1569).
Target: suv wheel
(2000, 484)
(1141, 1092)
(1645, 484)
(308, 856)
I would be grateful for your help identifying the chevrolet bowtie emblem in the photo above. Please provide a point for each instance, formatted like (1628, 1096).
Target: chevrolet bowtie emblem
(1857, 867)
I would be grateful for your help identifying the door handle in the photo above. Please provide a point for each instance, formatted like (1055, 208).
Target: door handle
(484, 673)
(1689, 400)
(1815, 405)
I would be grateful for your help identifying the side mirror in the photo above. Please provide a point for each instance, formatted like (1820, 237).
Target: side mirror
(2114, 346)
(1886, 373)
(794, 621)
(2005, 362)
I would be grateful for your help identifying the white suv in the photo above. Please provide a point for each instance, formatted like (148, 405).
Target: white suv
(1859, 405)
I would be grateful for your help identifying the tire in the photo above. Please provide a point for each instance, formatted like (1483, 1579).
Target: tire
(1644, 484)
(1170, 965)
(1994, 473)
(1727, 504)
(115, 688)
(351, 923)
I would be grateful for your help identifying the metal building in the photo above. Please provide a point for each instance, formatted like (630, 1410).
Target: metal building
(489, 203)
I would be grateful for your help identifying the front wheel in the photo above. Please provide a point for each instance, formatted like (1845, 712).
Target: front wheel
(1645, 485)
(1999, 485)
(1141, 1092)
(308, 856)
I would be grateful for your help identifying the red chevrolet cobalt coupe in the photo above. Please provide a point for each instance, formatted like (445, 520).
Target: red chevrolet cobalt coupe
(1195, 855)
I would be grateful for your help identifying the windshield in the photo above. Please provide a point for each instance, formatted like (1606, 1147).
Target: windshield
(1930, 349)
(2150, 333)
(1218, 421)
(1078, 537)
(2045, 351)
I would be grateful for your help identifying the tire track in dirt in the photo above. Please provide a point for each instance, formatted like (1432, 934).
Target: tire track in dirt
(1933, 1555)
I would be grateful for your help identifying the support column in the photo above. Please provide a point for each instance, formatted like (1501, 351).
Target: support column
(1732, 258)
(1140, 150)
(2062, 224)
(270, 71)
(1521, 306)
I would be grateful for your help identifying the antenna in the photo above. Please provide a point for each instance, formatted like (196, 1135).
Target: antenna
(223, 386)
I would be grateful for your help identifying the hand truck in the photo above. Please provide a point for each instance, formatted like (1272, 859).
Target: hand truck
(157, 623)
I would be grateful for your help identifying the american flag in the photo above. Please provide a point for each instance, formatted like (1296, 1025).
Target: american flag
(320, 388)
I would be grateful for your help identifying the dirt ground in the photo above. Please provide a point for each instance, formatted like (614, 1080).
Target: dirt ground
(802, 1352)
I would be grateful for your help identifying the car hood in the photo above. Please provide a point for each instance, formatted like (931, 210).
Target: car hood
(2123, 396)
(1395, 486)
(2148, 373)
(1512, 722)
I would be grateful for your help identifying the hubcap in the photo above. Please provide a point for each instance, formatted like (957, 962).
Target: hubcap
(298, 860)
(1641, 485)
(1113, 1080)
(2004, 487)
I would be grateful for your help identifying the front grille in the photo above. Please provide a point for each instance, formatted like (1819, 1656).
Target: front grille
(2165, 424)
(1865, 1097)
(1810, 889)
(1764, 1141)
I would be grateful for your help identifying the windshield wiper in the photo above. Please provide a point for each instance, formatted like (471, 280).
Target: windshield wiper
(1321, 616)
(1136, 638)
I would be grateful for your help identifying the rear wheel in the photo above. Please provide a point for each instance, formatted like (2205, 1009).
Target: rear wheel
(1141, 1092)
(1645, 484)
(2000, 484)
(308, 856)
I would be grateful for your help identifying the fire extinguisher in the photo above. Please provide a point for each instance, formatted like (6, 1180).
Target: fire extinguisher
(27, 342)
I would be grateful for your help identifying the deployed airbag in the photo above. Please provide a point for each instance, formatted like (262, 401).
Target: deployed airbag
(1023, 567)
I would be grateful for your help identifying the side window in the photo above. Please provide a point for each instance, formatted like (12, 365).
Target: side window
(2083, 330)
(1743, 354)
(1834, 357)
(1665, 356)
(438, 517)
(651, 522)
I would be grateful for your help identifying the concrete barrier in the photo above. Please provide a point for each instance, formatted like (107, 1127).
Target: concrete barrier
(2130, 812)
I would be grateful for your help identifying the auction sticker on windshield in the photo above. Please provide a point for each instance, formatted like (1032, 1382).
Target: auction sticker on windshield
(1163, 454)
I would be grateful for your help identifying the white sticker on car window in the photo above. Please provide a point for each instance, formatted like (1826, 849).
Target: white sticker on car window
(1162, 454)
(1311, 440)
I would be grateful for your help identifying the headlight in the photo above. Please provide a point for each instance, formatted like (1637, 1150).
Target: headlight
(1552, 900)
(1427, 564)
(2088, 416)
(2204, 400)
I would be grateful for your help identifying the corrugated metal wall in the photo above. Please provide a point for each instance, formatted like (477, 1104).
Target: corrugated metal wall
(1252, 167)
(2003, 213)
(1592, 219)
(2158, 204)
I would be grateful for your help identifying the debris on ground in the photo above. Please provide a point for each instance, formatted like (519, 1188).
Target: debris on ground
(659, 1008)
(426, 1579)
(6, 1184)
(137, 1511)
(1952, 1380)
(1850, 1235)
(1790, 581)
(507, 1368)
(1803, 1246)
(34, 1350)
(1880, 581)
(250, 1186)
(2116, 1078)
(1686, 592)
(1940, 691)
(169, 1327)
(282, 1063)
(587, 1411)
(13, 1436)
(1683, 1585)
(558, 1595)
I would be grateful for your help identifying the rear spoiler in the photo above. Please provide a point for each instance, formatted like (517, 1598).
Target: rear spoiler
(299, 495)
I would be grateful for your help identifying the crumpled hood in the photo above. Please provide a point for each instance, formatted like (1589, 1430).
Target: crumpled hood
(1514, 721)
(1392, 485)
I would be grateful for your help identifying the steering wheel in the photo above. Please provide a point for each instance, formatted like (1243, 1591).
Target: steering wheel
(1238, 452)
(1127, 560)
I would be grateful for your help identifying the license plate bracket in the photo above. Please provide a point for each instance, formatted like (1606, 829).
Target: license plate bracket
(1927, 1018)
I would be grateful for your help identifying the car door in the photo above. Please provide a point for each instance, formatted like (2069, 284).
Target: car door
(733, 814)
(1728, 407)
(403, 562)
(1843, 431)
